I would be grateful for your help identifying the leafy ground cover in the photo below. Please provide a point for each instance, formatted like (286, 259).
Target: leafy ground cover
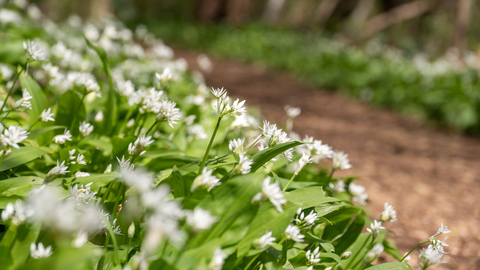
(113, 159)
(437, 91)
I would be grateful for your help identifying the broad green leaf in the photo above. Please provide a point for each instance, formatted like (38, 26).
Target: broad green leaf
(120, 145)
(328, 208)
(342, 241)
(390, 248)
(327, 246)
(21, 156)
(39, 131)
(103, 143)
(39, 101)
(167, 162)
(361, 247)
(308, 197)
(235, 196)
(267, 219)
(66, 258)
(70, 112)
(264, 156)
(391, 266)
(19, 186)
(181, 182)
(16, 243)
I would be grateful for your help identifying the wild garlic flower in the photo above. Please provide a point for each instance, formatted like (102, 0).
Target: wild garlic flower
(41, 251)
(18, 212)
(13, 135)
(204, 63)
(200, 220)
(429, 257)
(62, 138)
(308, 220)
(373, 254)
(81, 193)
(85, 128)
(168, 112)
(136, 149)
(292, 112)
(358, 192)
(375, 228)
(439, 244)
(92, 86)
(80, 159)
(236, 145)
(159, 227)
(274, 136)
(244, 120)
(33, 51)
(222, 106)
(218, 260)
(151, 100)
(99, 117)
(189, 120)
(338, 186)
(322, 151)
(389, 214)
(115, 227)
(341, 161)
(47, 115)
(196, 132)
(346, 255)
(264, 241)
(205, 181)
(442, 230)
(271, 192)
(24, 103)
(304, 160)
(244, 164)
(313, 257)
(293, 232)
(81, 174)
(51, 70)
(125, 164)
(165, 77)
(56, 171)
(126, 88)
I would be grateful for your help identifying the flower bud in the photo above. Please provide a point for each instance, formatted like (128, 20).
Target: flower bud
(131, 230)
(346, 255)
(108, 169)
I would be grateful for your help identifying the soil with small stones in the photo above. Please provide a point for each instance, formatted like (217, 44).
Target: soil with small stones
(430, 176)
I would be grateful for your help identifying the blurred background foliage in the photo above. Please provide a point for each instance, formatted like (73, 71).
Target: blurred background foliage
(419, 57)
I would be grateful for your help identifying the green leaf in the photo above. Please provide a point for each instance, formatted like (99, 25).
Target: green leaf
(111, 106)
(16, 243)
(39, 131)
(327, 246)
(390, 248)
(66, 258)
(18, 186)
(342, 241)
(391, 266)
(21, 156)
(120, 145)
(167, 162)
(264, 156)
(267, 219)
(70, 112)
(309, 197)
(39, 101)
(235, 196)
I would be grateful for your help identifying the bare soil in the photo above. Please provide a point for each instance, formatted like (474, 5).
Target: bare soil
(430, 176)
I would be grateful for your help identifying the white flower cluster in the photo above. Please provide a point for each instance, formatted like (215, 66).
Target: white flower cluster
(270, 192)
(222, 106)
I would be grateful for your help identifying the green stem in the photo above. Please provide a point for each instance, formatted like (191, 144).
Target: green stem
(251, 262)
(406, 255)
(209, 146)
(78, 110)
(289, 182)
(331, 174)
(150, 129)
(356, 254)
(11, 89)
(30, 128)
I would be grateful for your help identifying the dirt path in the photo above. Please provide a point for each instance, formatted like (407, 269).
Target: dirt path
(429, 176)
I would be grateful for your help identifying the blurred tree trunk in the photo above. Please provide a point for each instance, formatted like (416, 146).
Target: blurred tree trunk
(209, 10)
(325, 10)
(396, 15)
(461, 25)
(272, 10)
(359, 16)
(237, 11)
(100, 8)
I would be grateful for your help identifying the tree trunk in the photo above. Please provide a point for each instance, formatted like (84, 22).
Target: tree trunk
(237, 11)
(396, 15)
(461, 25)
(272, 10)
(359, 16)
(325, 10)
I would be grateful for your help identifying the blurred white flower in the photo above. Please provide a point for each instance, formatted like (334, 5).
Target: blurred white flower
(341, 161)
(47, 115)
(13, 135)
(168, 112)
(389, 214)
(304, 160)
(204, 63)
(196, 132)
(375, 228)
(429, 257)
(338, 186)
(56, 171)
(24, 103)
(81, 174)
(205, 181)
(66, 136)
(136, 149)
(313, 257)
(33, 51)
(358, 192)
(165, 77)
(200, 219)
(293, 232)
(244, 164)
(373, 253)
(41, 251)
(218, 260)
(264, 241)
(99, 117)
(82, 194)
(292, 112)
(271, 192)
(85, 128)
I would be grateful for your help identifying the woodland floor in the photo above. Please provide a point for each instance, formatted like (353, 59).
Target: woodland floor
(429, 175)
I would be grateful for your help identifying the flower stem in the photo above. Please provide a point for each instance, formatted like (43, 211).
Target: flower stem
(30, 128)
(78, 110)
(11, 89)
(150, 129)
(251, 262)
(406, 255)
(289, 182)
(209, 146)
